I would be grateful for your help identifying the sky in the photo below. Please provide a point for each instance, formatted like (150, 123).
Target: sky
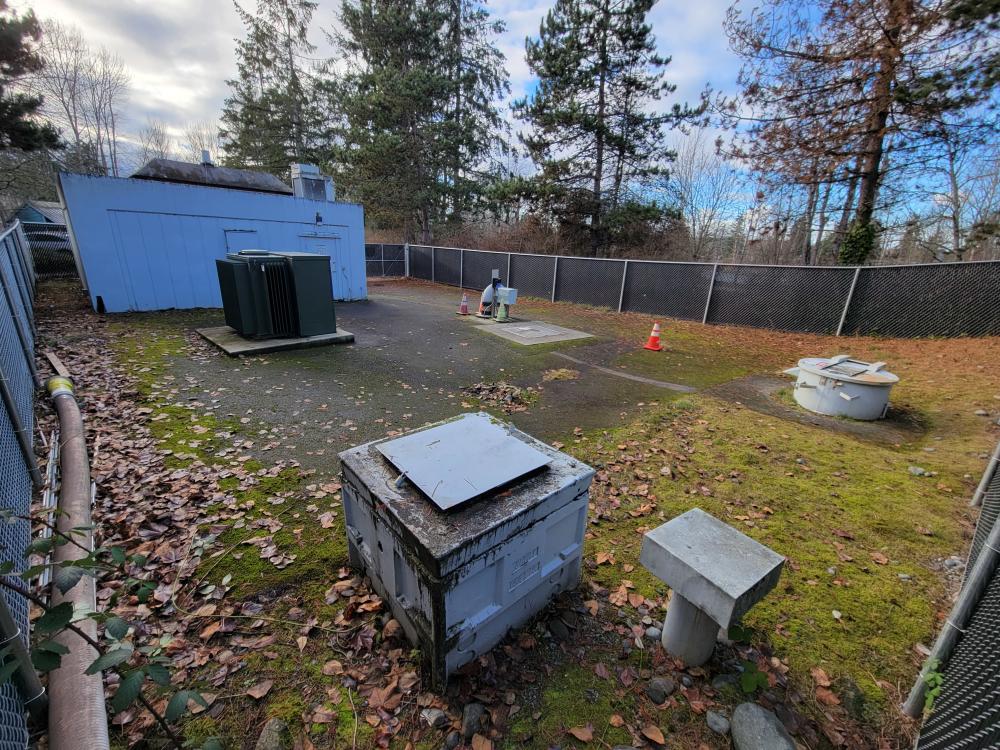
(180, 52)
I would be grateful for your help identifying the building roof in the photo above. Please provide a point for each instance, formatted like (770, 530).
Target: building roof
(168, 170)
(51, 210)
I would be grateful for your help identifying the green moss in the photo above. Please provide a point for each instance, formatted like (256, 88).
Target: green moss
(200, 729)
(572, 697)
(825, 501)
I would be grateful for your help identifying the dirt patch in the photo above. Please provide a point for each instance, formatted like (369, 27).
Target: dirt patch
(505, 396)
(762, 394)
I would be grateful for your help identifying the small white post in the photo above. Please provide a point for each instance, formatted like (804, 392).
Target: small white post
(847, 302)
(406, 260)
(508, 269)
(555, 270)
(621, 294)
(711, 286)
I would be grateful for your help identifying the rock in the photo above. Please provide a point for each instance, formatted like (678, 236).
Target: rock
(917, 471)
(687, 681)
(453, 740)
(717, 722)
(653, 633)
(852, 698)
(755, 728)
(660, 688)
(904, 576)
(274, 736)
(434, 717)
(472, 719)
(559, 630)
(981, 413)
(953, 562)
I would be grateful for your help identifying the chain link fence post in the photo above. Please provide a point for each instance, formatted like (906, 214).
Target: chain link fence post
(555, 273)
(847, 302)
(406, 260)
(433, 261)
(461, 268)
(621, 294)
(708, 297)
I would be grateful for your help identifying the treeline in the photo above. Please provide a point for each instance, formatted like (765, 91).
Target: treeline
(860, 130)
(863, 130)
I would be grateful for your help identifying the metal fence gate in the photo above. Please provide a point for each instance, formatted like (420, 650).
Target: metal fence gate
(18, 466)
(50, 249)
(940, 299)
(966, 715)
(385, 260)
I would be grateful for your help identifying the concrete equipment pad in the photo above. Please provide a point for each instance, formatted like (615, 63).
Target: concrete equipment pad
(528, 332)
(235, 345)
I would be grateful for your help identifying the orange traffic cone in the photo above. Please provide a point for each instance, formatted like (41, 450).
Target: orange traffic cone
(654, 339)
(463, 309)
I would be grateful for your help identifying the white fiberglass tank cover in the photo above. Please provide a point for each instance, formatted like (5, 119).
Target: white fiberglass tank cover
(457, 461)
(842, 367)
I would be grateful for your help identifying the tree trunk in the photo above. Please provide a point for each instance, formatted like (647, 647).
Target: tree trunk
(822, 222)
(889, 58)
(955, 198)
(596, 229)
(845, 214)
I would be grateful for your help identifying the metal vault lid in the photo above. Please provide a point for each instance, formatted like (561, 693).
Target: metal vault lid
(459, 460)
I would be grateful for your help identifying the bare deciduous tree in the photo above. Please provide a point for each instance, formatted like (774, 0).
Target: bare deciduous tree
(84, 91)
(154, 142)
(706, 188)
(198, 137)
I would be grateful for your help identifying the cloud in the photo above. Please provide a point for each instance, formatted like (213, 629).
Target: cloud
(181, 52)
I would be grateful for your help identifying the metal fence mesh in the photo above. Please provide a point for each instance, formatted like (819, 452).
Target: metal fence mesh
(385, 260)
(592, 282)
(677, 290)
(953, 299)
(966, 715)
(944, 299)
(532, 274)
(51, 251)
(478, 267)
(15, 479)
(785, 298)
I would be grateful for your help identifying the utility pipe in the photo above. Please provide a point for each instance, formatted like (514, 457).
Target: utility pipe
(77, 716)
(958, 619)
(991, 468)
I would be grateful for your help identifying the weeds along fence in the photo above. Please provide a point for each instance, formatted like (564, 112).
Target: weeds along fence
(966, 714)
(942, 299)
(51, 251)
(18, 466)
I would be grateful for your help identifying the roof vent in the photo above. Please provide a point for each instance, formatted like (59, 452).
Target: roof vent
(307, 182)
(206, 158)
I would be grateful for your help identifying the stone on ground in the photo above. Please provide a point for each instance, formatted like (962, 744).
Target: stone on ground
(717, 722)
(755, 728)
(472, 719)
(274, 736)
(660, 688)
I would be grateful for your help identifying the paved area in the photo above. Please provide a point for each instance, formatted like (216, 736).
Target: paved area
(235, 345)
(408, 365)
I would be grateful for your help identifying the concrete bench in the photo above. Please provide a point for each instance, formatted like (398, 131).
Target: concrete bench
(716, 573)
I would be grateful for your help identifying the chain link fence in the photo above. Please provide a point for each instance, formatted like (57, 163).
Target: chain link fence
(385, 260)
(51, 251)
(966, 715)
(18, 467)
(941, 299)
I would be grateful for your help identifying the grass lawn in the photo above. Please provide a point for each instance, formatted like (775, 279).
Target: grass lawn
(865, 539)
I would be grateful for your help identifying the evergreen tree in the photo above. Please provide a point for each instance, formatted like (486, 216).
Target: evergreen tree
(270, 119)
(594, 135)
(416, 108)
(19, 35)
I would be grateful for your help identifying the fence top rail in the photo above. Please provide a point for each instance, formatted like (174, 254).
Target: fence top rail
(703, 262)
(10, 230)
